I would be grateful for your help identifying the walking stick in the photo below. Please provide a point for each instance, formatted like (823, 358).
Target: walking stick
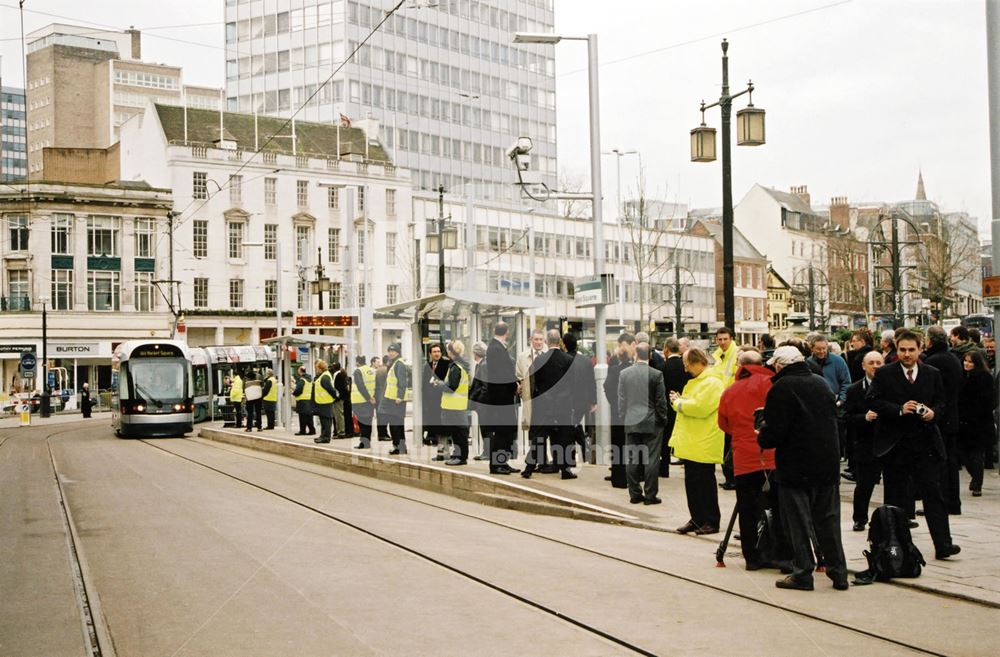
(720, 553)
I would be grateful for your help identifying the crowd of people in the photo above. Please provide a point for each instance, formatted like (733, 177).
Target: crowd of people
(779, 419)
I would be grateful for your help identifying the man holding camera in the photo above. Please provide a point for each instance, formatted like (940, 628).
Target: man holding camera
(909, 397)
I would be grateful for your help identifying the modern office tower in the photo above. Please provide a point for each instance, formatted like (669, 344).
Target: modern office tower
(83, 84)
(13, 146)
(443, 82)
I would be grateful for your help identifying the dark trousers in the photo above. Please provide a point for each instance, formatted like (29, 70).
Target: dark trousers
(501, 444)
(973, 458)
(665, 454)
(365, 430)
(306, 425)
(815, 508)
(253, 414)
(460, 439)
(619, 478)
(642, 463)
(727, 462)
(867, 472)
(702, 493)
(751, 501)
(382, 425)
(397, 433)
(563, 447)
(269, 409)
(950, 468)
(237, 412)
(325, 423)
(924, 467)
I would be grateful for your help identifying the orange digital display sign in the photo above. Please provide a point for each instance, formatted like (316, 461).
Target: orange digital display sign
(326, 321)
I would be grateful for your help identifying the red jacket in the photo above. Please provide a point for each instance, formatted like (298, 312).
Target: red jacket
(736, 418)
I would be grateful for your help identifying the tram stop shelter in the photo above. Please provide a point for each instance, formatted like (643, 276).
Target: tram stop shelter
(461, 315)
(282, 345)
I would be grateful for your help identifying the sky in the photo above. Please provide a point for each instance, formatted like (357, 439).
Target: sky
(860, 94)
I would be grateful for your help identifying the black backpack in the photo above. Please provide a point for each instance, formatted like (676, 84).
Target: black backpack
(892, 552)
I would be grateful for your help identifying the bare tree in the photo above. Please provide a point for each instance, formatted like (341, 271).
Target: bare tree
(576, 208)
(950, 255)
(647, 249)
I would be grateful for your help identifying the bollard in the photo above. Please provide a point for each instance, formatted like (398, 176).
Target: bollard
(25, 411)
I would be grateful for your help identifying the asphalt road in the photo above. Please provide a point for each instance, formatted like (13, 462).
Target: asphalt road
(191, 548)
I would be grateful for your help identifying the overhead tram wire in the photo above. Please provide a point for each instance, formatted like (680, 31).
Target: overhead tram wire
(388, 14)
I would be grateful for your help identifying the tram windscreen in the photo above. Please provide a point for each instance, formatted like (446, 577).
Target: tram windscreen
(158, 381)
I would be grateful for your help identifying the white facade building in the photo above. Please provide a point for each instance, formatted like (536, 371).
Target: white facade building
(444, 79)
(238, 214)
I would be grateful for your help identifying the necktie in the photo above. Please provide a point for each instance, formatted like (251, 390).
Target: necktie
(909, 375)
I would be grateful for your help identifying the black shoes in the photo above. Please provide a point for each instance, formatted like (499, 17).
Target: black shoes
(914, 524)
(635, 500)
(728, 485)
(300, 433)
(858, 527)
(947, 552)
(361, 446)
(505, 470)
(321, 440)
(652, 500)
(548, 468)
(526, 474)
(791, 583)
(847, 475)
(841, 584)
(396, 452)
(568, 474)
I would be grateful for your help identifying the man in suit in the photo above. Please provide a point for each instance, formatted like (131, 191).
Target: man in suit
(497, 409)
(621, 360)
(909, 397)
(674, 378)
(435, 371)
(861, 434)
(643, 399)
(551, 408)
(583, 394)
(523, 370)
(936, 354)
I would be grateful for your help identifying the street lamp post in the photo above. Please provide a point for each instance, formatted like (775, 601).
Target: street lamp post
(620, 214)
(277, 320)
(750, 132)
(600, 310)
(46, 402)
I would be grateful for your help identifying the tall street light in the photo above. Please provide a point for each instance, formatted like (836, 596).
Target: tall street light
(282, 413)
(46, 402)
(600, 310)
(620, 214)
(750, 132)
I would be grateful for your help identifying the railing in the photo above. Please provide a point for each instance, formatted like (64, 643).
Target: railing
(200, 152)
(332, 164)
(15, 303)
(302, 161)
(270, 157)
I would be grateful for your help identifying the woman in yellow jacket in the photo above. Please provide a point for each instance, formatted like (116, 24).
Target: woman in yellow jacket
(697, 440)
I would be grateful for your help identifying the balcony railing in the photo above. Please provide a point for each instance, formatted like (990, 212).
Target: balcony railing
(15, 303)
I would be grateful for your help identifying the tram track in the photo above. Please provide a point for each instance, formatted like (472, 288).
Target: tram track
(548, 609)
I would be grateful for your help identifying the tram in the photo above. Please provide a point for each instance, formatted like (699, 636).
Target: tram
(152, 389)
(211, 366)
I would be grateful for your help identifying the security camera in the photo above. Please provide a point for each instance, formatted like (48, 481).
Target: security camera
(519, 153)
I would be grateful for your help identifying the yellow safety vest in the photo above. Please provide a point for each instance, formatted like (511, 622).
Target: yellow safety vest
(322, 396)
(272, 394)
(368, 376)
(391, 386)
(236, 390)
(459, 399)
(307, 390)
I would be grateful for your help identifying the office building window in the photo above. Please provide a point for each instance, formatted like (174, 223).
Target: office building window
(270, 241)
(391, 294)
(303, 295)
(199, 185)
(102, 235)
(303, 244)
(361, 247)
(236, 190)
(62, 234)
(361, 199)
(333, 245)
(333, 198)
(271, 294)
(334, 295)
(302, 193)
(390, 202)
(103, 290)
(144, 299)
(361, 295)
(235, 292)
(201, 293)
(62, 289)
(270, 191)
(17, 224)
(200, 248)
(145, 238)
(390, 249)
(18, 290)
(235, 230)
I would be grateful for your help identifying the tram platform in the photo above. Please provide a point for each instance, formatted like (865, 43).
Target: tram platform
(972, 575)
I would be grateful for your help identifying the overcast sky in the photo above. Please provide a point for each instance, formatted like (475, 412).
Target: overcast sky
(859, 94)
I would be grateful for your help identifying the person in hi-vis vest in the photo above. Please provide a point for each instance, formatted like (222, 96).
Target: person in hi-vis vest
(323, 396)
(455, 403)
(393, 405)
(270, 392)
(363, 400)
(236, 398)
(303, 403)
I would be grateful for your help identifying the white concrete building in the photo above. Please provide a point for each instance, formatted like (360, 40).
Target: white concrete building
(296, 200)
(444, 79)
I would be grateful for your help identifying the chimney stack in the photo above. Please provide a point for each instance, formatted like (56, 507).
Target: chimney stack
(802, 191)
(136, 42)
(840, 212)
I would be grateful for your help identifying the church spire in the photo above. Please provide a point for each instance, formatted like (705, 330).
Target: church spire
(921, 194)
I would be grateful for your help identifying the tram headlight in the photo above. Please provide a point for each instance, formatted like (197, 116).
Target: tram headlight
(179, 407)
(140, 408)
